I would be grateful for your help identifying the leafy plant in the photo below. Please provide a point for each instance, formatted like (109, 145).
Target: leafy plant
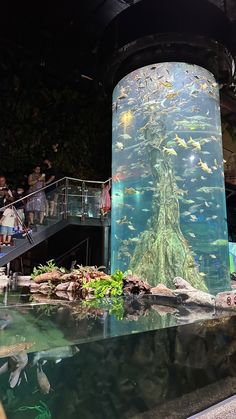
(114, 306)
(49, 267)
(109, 286)
(44, 412)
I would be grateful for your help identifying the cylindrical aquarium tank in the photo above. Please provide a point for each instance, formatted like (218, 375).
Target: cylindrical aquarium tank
(168, 196)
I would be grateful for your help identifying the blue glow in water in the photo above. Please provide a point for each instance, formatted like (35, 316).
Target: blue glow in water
(169, 213)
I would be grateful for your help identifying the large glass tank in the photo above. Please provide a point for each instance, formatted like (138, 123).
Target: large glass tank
(168, 197)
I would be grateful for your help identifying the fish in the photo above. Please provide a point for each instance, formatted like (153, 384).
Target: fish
(119, 145)
(203, 178)
(220, 242)
(206, 152)
(193, 217)
(170, 151)
(56, 354)
(125, 136)
(213, 256)
(206, 204)
(42, 379)
(194, 207)
(145, 210)
(131, 101)
(123, 94)
(130, 191)
(186, 213)
(16, 363)
(5, 320)
(131, 227)
(193, 180)
(214, 217)
(204, 166)
(209, 189)
(134, 239)
(188, 201)
(195, 144)
(20, 361)
(202, 274)
(172, 95)
(179, 191)
(180, 141)
(11, 350)
(166, 84)
(192, 235)
(122, 220)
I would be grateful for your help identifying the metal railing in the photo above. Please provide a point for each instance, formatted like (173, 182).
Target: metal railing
(72, 197)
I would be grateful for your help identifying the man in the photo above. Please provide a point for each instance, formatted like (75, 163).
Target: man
(5, 193)
(50, 177)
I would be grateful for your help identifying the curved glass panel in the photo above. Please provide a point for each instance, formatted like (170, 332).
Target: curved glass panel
(169, 212)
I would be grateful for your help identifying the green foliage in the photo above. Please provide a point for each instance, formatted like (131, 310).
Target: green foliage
(111, 286)
(115, 306)
(49, 267)
(44, 412)
(42, 116)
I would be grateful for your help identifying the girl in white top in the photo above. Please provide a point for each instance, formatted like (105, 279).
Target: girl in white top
(7, 222)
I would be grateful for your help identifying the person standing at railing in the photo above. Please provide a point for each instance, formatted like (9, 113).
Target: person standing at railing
(36, 204)
(51, 195)
(105, 199)
(7, 222)
(5, 193)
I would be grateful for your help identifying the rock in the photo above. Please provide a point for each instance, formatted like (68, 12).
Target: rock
(226, 299)
(161, 289)
(163, 310)
(72, 276)
(181, 283)
(62, 287)
(44, 287)
(72, 287)
(62, 294)
(132, 285)
(190, 295)
(48, 276)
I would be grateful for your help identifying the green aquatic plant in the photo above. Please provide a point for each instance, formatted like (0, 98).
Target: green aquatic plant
(48, 267)
(109, 286)
(42, 409)
(114, 306)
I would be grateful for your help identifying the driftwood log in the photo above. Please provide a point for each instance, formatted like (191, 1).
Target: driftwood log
(48, 276)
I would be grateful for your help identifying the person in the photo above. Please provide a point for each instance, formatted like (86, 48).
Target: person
(37, 202)
(51, 195)
(20, 206)
(7, 222)
(5, 192)
(105, 199)
(230, 170)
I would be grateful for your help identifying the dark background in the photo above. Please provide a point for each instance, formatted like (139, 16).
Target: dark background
(47, 107)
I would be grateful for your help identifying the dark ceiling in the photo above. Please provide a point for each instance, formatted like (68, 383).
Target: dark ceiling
(62, 36)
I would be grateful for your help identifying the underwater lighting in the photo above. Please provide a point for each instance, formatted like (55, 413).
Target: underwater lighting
(126, 118)
(191, 158)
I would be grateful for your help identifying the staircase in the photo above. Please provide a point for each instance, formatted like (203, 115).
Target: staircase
(77, 204)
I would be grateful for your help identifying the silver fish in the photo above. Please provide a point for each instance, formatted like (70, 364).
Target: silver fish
(56, 354)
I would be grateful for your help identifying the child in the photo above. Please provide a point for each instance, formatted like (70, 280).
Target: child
(105, 200)
(7, 224)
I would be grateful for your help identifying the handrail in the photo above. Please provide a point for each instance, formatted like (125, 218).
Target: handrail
(51, 184)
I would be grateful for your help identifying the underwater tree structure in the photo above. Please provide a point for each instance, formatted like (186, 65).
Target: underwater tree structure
(168, 193)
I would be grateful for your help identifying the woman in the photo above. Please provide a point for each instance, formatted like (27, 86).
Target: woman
(37, 202)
